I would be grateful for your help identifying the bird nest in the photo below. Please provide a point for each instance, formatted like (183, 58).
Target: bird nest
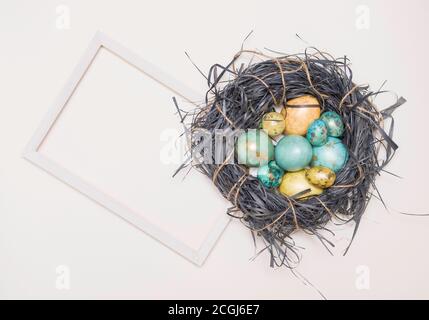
(238, 97)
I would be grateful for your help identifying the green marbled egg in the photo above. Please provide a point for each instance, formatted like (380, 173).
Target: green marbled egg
(333, 155)
(254, 148)
(317, 133)
(334, 123)
(270, 175)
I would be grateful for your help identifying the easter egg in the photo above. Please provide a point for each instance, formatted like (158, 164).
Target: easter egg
(293, 153)
(320, 177)
(270, 175)
(333, 155)
(317, 133)
(294, 183)
(299, 113)
(334, 123)
(273, 123)
(254, 148)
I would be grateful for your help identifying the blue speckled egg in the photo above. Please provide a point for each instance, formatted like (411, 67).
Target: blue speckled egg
(334, 123)
(333, 155)
(270, 175)
(317, 133)
(293, 153)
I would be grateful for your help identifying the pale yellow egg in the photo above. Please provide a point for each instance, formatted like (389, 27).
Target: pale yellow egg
(273, 123)
(294, 183)
(320, 176)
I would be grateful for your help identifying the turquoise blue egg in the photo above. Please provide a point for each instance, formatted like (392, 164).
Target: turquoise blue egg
(333, 155)
(270, 175)
(317, 133)
(254, 148)
(293, 153)
(334, 123)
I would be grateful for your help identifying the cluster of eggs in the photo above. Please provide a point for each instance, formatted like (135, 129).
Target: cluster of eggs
(308, 152)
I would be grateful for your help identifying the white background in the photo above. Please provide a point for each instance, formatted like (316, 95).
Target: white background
(120, 133)
(45, 224)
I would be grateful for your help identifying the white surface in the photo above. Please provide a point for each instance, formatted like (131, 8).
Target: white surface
(43, 224)
(98, 139)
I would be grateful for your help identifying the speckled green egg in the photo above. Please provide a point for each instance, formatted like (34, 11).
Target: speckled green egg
(293, 153)
(333, 155)
(254, 148)
(270, 175)
(334, 123)
(317, 133)
(321, 177)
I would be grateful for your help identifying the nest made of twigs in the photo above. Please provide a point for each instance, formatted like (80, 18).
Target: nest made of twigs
(238, 97)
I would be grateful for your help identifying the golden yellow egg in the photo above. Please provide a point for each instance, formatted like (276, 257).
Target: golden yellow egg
(299, 113)
(296, 182)
(273, 123)
(321, 177)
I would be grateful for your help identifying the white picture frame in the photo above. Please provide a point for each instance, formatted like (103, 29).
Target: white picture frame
(178, 89)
